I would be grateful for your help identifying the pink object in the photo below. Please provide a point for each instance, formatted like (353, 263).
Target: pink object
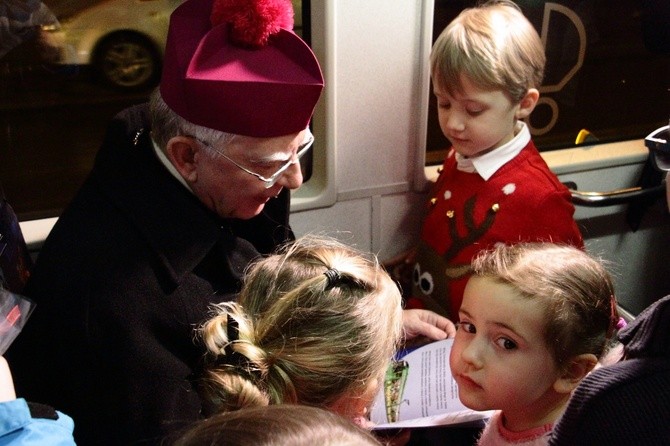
(621, 323)
(247, 88)
(253, 21)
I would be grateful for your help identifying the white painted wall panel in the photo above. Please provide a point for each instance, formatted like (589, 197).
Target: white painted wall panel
(377, 57)
(348, 221)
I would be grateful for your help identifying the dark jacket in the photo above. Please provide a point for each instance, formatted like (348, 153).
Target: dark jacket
(127, 273)
(627, 403)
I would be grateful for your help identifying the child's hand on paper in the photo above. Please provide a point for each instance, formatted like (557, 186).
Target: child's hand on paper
(428, 324)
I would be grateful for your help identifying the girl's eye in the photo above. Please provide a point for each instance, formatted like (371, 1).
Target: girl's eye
(466, 326)
(443, 105)
(476, 112)
(506, 343)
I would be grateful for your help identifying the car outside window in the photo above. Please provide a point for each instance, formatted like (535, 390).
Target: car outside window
(66, 68)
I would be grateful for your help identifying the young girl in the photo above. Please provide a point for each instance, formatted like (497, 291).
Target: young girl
(535, 319)
(494, 187)
(315, 324)
(277, 425)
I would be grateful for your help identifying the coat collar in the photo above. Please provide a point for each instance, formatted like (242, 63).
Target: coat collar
(179, 229)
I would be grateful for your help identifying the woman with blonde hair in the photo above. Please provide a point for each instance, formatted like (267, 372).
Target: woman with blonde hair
(315, 324)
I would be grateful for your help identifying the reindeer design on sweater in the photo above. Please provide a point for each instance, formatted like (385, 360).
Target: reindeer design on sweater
(424, 282)
(523, 201)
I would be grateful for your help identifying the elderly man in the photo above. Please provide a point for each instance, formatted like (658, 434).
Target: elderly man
(181, 197)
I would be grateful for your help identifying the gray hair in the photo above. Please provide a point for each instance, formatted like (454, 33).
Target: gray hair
(166, 123)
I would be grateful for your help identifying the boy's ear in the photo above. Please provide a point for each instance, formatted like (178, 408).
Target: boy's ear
(527, 103)
(576, 370)
(181, 151)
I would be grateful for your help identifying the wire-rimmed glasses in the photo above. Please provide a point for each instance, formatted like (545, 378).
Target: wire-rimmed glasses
(272, 179)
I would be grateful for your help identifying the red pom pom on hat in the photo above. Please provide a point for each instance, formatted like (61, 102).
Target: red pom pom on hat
(267, 85)
(252, 22)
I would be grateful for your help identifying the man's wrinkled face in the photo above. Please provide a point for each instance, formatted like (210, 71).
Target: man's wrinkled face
(225, 188)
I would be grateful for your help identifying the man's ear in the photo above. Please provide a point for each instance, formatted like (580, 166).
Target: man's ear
(527, 103)
(574, 372)
(181, 151)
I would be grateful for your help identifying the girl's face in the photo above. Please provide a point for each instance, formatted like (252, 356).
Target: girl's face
(477, 121)
(356, 404)
(499, 358)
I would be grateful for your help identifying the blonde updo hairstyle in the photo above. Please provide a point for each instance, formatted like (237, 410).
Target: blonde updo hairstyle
(302, 337)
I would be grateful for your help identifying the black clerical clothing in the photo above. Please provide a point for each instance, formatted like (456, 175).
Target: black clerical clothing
(124, 278)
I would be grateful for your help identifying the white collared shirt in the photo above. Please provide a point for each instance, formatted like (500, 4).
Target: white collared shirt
(488, 164)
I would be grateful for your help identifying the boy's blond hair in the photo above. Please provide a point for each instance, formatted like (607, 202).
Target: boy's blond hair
(495, 46)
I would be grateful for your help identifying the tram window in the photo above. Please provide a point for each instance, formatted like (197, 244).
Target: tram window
(608, 70)
(65, 71)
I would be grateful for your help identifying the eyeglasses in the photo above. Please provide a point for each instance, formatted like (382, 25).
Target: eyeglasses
(659, 147)
(272, 179)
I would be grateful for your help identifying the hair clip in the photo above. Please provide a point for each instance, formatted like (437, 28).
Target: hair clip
(616, 322)
(621, 323)
(231, 357)
(232, 330)
(333, 277)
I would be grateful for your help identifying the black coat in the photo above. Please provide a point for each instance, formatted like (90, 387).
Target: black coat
(626, 403)
(129, 270)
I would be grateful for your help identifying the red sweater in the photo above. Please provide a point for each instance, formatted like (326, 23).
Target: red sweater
(523, 201)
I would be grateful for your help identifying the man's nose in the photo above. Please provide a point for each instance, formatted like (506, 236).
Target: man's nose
(292, 177)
